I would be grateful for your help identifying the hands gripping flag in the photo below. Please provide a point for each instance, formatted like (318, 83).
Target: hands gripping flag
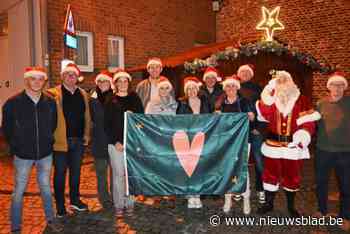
(186, 154)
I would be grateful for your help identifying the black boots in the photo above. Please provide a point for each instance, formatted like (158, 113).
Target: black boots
(268, 205)
(290, 204)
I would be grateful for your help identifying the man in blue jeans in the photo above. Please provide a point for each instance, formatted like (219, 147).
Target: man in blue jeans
(29, 121)
(72, 133)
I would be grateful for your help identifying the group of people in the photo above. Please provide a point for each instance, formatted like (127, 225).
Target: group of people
(54, 126)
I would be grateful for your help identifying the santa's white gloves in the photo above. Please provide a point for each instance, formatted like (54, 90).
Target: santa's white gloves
(301, 139)
(266, 95)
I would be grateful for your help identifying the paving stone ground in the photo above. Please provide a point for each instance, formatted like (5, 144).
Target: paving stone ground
(168, 218)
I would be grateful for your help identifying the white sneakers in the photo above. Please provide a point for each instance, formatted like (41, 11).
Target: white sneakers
(228, 204)
(261, 197)
(194, 203)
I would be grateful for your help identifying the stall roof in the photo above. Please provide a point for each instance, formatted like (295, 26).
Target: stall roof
(189, 55)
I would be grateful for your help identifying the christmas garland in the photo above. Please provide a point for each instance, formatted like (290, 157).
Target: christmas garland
(252, 49)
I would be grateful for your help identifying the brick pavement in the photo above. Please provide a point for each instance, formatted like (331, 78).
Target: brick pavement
(148, 219)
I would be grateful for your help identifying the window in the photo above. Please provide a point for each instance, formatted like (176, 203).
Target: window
(85, 52)
(115, 52)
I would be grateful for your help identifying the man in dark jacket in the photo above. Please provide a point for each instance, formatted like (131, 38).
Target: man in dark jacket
(29, 121)
(211, 90)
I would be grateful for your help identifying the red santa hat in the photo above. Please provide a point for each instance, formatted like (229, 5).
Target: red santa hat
(72, 67)
(337, 76)
(154, 60)
(163, 81)
(247, 67)
(211, 71)
(35, 72)
(191, 80)
(104, 76)
(232, 80)
(121, 73)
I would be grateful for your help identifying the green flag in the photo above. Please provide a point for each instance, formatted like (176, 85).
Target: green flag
(186, 154)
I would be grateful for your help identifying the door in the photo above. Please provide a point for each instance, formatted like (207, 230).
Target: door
(5, 80)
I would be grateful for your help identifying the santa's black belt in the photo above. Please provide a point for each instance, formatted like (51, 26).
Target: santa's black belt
(280, 138)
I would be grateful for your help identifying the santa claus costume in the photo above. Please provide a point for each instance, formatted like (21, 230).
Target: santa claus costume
(291, 122)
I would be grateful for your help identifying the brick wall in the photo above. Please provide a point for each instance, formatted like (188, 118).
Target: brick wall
(318, 27)
(150, 28)
(3, 24)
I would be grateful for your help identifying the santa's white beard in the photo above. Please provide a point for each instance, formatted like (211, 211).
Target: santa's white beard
(285, 98)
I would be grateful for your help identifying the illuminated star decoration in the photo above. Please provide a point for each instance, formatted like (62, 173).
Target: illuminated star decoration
(270, 22)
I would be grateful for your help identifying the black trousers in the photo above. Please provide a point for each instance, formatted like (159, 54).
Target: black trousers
(324, 163)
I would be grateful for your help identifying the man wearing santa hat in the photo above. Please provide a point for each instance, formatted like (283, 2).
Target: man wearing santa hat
(251, 91)
(291, 122)
(211, 89)
(333, 146)
(71, 135)
(148, 89)
(29, 121)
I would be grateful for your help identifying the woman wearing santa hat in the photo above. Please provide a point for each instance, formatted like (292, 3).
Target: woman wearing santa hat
(98, 101)
(122, 101)
(231, 102)
(165, 102)
(191, 103)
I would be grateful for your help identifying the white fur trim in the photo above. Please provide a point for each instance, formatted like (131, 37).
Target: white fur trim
(94, 95)
(286, 109)
(284, 152)
(336, 78)
(121, 74)
(191, 83)
(210, 73)
(231, 81)
(270, 187)
(245, 67)
(154, 61)
(35, 74)
(162, 83)
(290, 190)
(81, 78)
(260, 117)
(70, 69)
(309, 118)
(102, 77)
(266, 96)
(302, 136)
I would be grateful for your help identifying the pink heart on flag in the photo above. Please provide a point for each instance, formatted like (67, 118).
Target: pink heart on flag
(188, 155)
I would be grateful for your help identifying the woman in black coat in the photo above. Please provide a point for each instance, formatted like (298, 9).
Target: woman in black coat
(193, 104)
(98, 101)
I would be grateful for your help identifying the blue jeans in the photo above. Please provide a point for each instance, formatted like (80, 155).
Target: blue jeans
(71, 160)
(256, 142)
(22, 169)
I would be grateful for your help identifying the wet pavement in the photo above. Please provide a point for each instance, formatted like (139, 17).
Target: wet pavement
(169, 217)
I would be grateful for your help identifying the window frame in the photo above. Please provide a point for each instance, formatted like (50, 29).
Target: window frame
(90, 51)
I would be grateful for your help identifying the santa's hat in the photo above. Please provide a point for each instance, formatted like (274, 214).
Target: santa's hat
(337, 76)
(247, 67)
(154, 60)
(72, 67)
(232, 80)
(191, 80)
(211, 71)
(35, 72)
(163, 81)
(121, 73)
(104, 76)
